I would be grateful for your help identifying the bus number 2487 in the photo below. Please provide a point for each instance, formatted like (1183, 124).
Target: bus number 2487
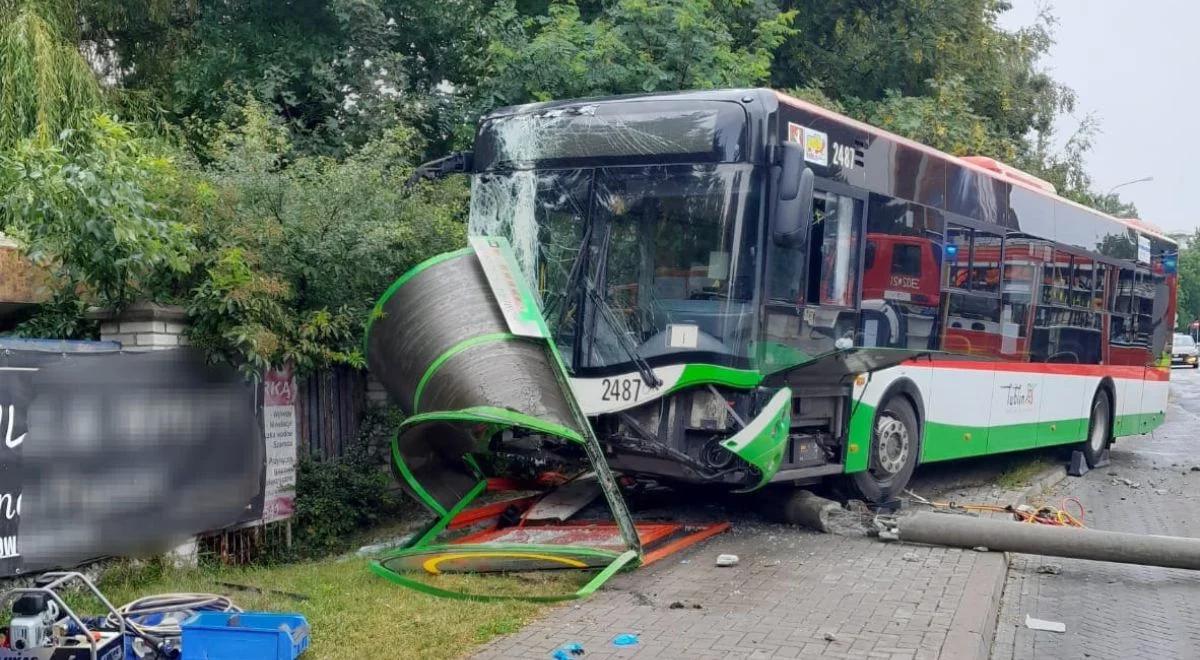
(621, 389)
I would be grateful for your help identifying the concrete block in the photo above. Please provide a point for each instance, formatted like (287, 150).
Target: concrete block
(142, 326)
(173, 328)
(156, 339)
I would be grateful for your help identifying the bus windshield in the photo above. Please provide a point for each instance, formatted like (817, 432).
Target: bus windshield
(636, 263)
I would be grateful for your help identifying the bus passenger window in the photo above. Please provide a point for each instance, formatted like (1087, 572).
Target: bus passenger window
(985, 262)
(834, 270)
(958, 256)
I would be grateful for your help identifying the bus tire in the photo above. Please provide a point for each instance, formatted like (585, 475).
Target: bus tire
(895, 445)
(1099, 434)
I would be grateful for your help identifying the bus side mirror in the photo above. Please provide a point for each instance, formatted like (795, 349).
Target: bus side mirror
(459, 162)
(793, 197)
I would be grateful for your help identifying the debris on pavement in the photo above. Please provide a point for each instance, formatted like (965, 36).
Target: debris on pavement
(1050, 569)
(981, 548)
(625, 639)
(677, 605)
(567, 500)
(912, 556)
(830, 637)
(1042, 624)
(565, 651)
(727, 560)
(805, 508)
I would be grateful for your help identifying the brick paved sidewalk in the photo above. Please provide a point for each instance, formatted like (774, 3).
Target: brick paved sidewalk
(792, 589)
(1119, 611)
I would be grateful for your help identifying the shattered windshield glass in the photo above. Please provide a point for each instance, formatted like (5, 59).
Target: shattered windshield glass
(633, 221)
(613, 133)
(670, 251)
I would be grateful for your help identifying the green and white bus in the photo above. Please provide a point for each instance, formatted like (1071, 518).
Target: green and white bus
(748, 288)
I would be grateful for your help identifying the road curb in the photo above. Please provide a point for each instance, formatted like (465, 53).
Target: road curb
(1045, 480)
(974, 625)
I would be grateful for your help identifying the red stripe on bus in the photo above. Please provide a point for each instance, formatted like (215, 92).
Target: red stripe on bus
(1099, 370)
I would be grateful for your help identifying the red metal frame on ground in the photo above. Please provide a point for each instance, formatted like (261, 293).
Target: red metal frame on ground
(649, 533)
(490, 511)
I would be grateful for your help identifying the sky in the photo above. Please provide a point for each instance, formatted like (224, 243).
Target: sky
(1134, 66)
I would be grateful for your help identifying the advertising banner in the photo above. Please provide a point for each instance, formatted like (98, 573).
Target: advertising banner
(279, 422)
(106, 454)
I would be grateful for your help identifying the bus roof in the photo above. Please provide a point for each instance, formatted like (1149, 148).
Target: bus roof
(1001, 171)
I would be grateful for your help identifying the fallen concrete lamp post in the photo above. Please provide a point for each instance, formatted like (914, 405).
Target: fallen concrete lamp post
(1072, 542)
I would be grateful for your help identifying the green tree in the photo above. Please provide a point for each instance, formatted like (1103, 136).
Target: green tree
(888, 49)
(1188, 305)
(629, 46)
(46, 87)
(338, 73)
(297, 247)
(94, 206)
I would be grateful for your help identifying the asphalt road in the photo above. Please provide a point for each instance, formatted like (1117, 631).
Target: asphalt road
(1115, 610)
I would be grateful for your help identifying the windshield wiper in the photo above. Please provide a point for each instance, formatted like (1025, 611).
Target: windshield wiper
(572, 277)
(623, 338)
(644, 369)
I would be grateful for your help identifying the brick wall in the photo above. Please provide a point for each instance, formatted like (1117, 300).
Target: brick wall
(144, 326)
(20, 281)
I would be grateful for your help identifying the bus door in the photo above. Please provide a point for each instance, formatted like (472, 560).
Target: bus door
(812, 293)
(964, 389)
(1018, 392)
(1126, 349)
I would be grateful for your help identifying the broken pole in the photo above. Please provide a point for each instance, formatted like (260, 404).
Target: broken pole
(1072, 542)
(804, 508)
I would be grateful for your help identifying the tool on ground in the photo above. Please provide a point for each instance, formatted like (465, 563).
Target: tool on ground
(43, 623)
(1052, 540)
(148, 628)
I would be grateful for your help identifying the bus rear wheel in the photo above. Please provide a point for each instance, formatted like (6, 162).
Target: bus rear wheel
(1099, 428)
(895, 445)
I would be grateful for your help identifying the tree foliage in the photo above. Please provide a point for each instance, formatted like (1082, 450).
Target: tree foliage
(1188, 305)
(895, 49)
(95, 207)
(296, 248)
(45, 86)
(630, 46)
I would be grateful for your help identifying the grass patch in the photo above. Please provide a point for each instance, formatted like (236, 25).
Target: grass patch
(354, 613)
(1022, 473)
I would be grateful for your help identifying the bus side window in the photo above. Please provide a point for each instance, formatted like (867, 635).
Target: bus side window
(833, 256)
(1020, 265)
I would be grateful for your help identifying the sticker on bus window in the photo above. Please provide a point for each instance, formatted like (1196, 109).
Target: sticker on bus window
(815, 143)
(683, 335)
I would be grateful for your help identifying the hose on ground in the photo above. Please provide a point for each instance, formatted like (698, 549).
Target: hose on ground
(166, 604)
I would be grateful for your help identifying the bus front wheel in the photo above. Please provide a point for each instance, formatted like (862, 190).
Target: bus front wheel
(895, 445)
(1099, 428)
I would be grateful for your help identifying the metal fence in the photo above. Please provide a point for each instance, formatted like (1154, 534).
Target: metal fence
(330, 407)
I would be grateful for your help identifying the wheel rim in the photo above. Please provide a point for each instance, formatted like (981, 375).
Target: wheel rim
(1099, 431)
(892, 443)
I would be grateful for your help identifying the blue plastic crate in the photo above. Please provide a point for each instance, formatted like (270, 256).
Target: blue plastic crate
(244, 636)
